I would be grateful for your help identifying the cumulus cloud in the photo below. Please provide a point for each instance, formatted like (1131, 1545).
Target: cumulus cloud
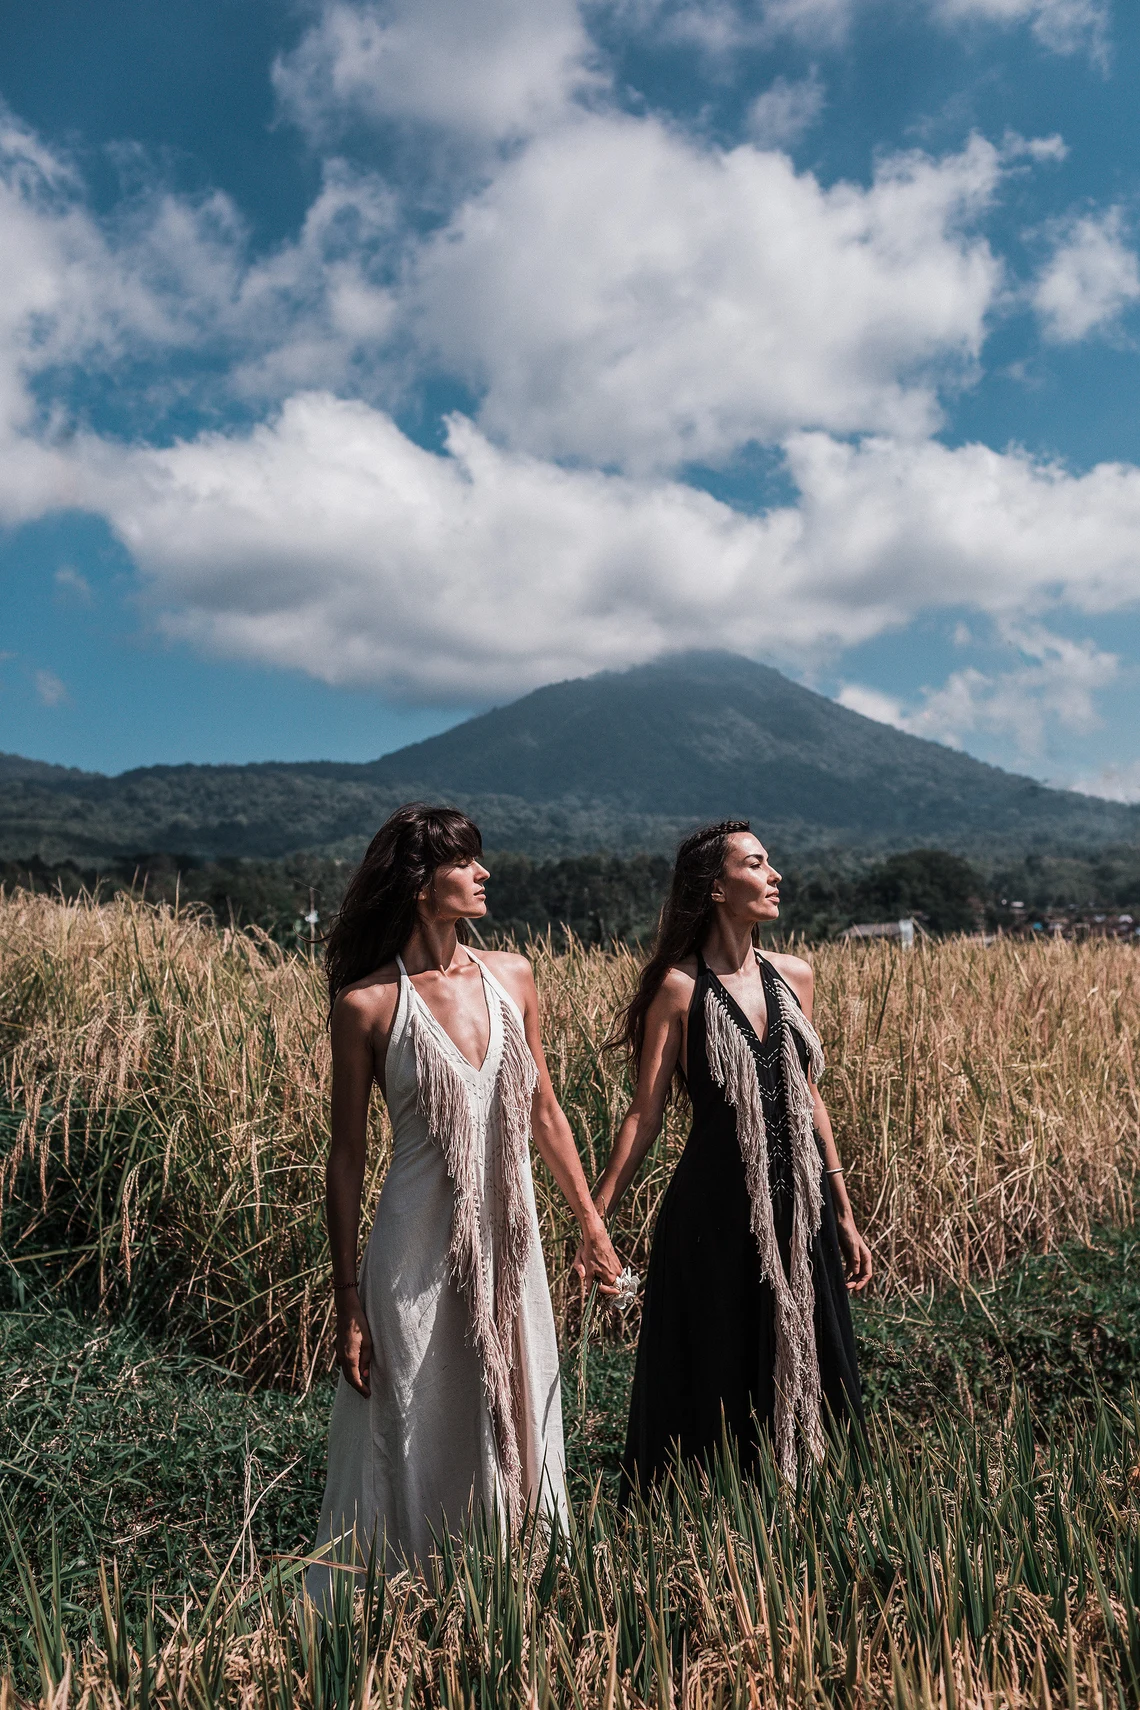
(1119, 783)
(1090, 279)
(51, 691)
(491, 71)
(894, 527)
(785, 111)
(619, 293)
(326, 540)
(724, 26)
(1062, 26)
(1056, 680)
(330, 542)
(167, 277)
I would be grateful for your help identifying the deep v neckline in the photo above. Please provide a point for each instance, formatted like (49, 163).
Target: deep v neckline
(478, 1071)
(739, 1014)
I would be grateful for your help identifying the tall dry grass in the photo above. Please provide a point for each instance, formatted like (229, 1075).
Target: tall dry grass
(165, 1091)
(968, 1569)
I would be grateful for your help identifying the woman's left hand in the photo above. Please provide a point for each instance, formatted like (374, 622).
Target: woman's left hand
(595, 1260)
(856, 1256)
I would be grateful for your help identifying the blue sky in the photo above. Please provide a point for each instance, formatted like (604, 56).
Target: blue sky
(365, 364)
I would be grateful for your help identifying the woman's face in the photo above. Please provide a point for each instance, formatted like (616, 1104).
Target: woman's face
(749, 885)
(456, 893)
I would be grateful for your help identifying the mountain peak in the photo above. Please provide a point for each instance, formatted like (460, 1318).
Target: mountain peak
(704, 734)
(621, 760)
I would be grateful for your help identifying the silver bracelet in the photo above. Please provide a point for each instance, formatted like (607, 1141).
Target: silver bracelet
(835, 1172)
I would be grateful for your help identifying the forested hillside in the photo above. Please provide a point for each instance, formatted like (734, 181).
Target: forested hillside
(623, 762)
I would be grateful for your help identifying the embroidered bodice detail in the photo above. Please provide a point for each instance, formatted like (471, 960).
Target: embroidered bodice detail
(766, 1082)
(491, 1224)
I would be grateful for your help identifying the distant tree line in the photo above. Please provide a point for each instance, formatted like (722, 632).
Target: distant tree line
(602, 898)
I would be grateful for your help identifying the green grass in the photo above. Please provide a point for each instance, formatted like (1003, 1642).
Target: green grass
(163, 1461)
(1064, 1325)
(990, 1566)
(152, 1456)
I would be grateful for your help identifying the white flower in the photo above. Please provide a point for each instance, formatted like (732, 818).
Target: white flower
(627, 1285)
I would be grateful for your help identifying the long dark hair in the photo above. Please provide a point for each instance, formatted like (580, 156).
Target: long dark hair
(684, 925)
(378, 913)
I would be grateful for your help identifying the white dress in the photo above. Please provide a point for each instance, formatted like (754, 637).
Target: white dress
(465, 1408)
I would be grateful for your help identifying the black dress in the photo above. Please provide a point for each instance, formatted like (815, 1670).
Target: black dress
(707, 1345)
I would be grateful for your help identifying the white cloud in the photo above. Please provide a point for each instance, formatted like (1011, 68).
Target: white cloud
(1119, 783)
(785, 111)
(1091, 278)
(890, 528)
(874, 703)
(165, 275)
(721, 27)
(51, 691)
(623, 295)
(72, 586)
(328, 541)
(1062, 26)
(493, 70)
(1056, 680)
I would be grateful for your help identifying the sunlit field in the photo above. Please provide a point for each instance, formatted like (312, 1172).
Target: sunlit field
(162, 1140)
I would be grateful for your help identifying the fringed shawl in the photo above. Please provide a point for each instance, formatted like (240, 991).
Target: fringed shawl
(494, 1213)
(733, 1067)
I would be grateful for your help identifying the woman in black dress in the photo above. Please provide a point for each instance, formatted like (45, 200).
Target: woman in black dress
(746, 1324)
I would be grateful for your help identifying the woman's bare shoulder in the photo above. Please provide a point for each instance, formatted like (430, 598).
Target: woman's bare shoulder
(676, 989)
(505, 961)
(511, 970)
(796, 971)
(369, 1002)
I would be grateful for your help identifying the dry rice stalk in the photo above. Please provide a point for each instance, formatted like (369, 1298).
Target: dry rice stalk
(164, 1093)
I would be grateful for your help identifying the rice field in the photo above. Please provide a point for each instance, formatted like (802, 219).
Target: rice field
(969, 1570)
(162, 1135)
(162, 1130)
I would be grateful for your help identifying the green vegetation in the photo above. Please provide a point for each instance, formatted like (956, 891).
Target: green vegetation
(1109, 879)
(272, 896)
(600, 899)
(113, 1445)
(122, 1446)
(1058, 1328)
(624, 761)
(164, 1351)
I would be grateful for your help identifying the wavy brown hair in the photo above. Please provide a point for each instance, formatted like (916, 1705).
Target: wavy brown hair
(685, 922)
(378, 913)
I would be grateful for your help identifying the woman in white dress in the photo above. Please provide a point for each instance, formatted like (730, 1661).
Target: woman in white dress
(448, 1398)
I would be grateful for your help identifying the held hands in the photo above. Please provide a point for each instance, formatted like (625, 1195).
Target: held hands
(595, 1260)
(353, 1340)
(856, 1255)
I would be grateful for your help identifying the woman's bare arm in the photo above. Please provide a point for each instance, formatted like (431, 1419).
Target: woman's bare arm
(553, 1137)
(354, 1020)
(664, 1031)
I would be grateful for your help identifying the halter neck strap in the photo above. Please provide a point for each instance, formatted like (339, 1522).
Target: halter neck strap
(470, 955)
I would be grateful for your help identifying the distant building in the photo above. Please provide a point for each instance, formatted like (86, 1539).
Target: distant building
(903, 930)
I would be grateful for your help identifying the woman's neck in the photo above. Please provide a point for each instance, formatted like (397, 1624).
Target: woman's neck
(433, 944)
(728, 949)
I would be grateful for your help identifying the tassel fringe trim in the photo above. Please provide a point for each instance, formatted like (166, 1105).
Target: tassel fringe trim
(733, 1067)
(490, 1223)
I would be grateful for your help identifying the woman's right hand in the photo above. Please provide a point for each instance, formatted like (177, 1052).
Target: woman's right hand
(353, 1340)
(595, 1261)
